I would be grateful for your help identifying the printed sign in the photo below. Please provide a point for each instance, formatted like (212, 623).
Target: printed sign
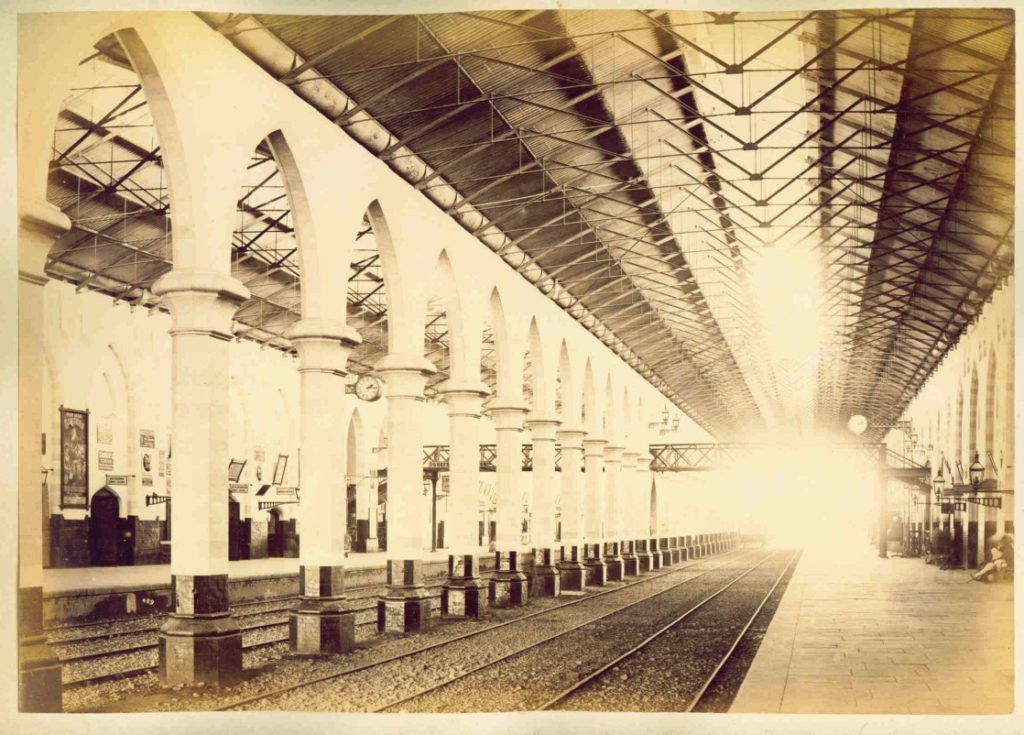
(117, 480)
(104, 434)
(147, 481)
(105, 459)
(147, 438)
(74, 463)
(238, 487)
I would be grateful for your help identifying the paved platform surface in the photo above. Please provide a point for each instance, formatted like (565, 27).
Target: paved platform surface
(83, 578)
(864, 635)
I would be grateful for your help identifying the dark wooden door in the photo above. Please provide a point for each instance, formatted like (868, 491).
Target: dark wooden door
(103, 532)
(275, 534)
(234, 530)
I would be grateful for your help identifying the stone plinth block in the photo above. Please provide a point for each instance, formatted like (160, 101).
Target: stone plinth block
(193, 650)
(39, 677)
(613, 563)
(463, 592)
(545, 575)
(405, 606)
(571, 573)
(321, 624)
(509, 586)
(597, 573)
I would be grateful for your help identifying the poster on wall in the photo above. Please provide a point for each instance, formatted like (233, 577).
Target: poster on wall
(147, 438)
(104, 433)
(147, 481)
(105, 459)
(74, 453)
(280, 468)
(162, 462)
(259, 454)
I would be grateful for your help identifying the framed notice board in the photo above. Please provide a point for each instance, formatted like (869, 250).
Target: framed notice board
(74, 458)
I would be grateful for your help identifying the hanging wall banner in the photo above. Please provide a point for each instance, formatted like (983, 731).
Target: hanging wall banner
(105, 460)
(74, 462)
(147, 438)
(104, 434)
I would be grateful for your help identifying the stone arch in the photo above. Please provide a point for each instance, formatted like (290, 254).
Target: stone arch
(404, 328)
(990, 406)
(540, 383)
(508, 352)
(568, 394)
(972, 416)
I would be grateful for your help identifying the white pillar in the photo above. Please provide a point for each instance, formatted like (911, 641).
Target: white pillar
(572, 579)
(593, 491)
(645, 552)
(321, 623)
(39, 675)
(406, 606)
(463, 593)
(508, 587)
(612, 512)
(200, 642)
(544, 479)
(628, 513)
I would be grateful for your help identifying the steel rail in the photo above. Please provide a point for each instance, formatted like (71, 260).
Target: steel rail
(439, 644)
(537, 644)
(594, 675)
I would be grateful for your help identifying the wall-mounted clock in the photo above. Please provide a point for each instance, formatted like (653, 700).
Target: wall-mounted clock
(367, 388)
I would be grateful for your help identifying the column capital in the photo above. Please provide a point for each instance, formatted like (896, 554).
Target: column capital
(201, 302)
(612, 453)
(543, 428)
(323, 345)
(571, 437)
(405, 376)
(40, 224)
(508, 415)
(594, 445)
(464, 396)
(630, 455)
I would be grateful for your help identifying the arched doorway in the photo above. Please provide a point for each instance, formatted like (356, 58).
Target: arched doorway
(275, 534)
(103, 534)
(234, 530)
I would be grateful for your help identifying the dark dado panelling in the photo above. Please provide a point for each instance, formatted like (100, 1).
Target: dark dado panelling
(69, 542)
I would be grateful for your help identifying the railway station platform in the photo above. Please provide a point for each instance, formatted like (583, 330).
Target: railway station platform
(864, 635)
(86, 594)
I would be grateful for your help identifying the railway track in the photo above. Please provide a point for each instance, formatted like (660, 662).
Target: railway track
(522, 678)
(649, 665)
(343, 683)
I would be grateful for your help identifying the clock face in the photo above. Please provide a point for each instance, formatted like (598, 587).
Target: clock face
(857, 424)
(367, 388)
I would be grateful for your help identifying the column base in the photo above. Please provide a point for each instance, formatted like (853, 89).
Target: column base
(321, 624)
(405, 606)
(572, 575)
(673, 548)
(655, 554)
(39, 677)
(464, 593)
(597, 573)
(630, 564)
(193, 650)
(200, 643)
(545, 574)
(643, 557)
(509, 587)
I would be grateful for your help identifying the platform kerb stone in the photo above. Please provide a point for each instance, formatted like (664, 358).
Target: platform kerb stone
(464, 591)
(321, 624)
(630, 567)
(597, 572)
(546, 576)
(200, 643)
(643, 556)
(39, 673)
(571, 572)
(509, 586)
(613, 562)
(405, 606)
